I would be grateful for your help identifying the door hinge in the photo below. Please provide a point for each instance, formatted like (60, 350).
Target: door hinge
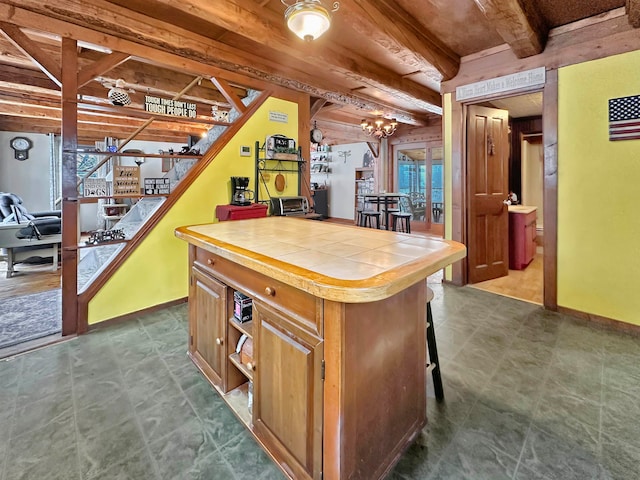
(191, 280)
(190, 339)
(322, 374)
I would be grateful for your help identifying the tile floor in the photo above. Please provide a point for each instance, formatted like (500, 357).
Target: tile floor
(529, 395)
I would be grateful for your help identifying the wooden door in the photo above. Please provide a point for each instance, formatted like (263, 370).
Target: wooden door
(487, 189)
(288, 396)
(207, 321)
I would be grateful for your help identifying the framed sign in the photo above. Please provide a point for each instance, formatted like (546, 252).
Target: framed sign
(94, 187)
(126, 181)
(157, 186)
(166, 106)
(507, 83)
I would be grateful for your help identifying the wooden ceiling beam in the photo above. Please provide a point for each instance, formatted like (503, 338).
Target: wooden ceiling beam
(266, 27)
(87, 134)
(139, 76)
(22, 82)
(633, 12)
(29, 48)
(337, 132)
(100, 67)
(519, 23)
(389, 26)
(229, 94)
(12, 108)
(316, 106)
(183, 50)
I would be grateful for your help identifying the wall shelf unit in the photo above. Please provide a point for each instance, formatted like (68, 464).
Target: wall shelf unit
(282, 163)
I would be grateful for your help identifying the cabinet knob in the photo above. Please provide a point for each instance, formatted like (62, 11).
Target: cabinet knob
(210, 261)
(271, 292)
(219, 341)
(251, 366)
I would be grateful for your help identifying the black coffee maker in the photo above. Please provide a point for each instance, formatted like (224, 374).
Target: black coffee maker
(240, 194)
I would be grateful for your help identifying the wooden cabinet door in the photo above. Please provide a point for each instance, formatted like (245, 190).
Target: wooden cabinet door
(207, 321)
(530, 238)
(287, 405)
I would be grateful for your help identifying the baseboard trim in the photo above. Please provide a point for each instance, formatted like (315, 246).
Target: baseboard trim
(144, 311)
(604, 323)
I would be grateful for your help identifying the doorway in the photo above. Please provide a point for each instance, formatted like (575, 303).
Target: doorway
(418, 173)
(523, 176)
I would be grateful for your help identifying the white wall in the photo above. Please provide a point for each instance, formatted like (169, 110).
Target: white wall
(342, 179)
(28, 178)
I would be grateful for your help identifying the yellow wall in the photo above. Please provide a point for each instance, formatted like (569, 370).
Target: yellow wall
(598, 192)
(157, 272)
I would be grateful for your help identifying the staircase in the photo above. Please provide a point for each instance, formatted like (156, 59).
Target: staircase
(93, 260)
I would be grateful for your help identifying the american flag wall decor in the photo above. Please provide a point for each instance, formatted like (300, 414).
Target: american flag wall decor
(624, 118)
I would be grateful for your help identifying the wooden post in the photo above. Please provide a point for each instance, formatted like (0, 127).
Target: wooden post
(550, 221)
(69, 189)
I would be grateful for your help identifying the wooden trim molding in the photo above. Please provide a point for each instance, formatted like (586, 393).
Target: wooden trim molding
(550, 139)
(602, 322)
(458, 187)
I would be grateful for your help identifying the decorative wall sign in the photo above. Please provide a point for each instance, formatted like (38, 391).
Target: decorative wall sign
(624, 118)
(279, 117)
(157, 186)
(507, 83)
(166, 106)
(95, 187)
(126, 181)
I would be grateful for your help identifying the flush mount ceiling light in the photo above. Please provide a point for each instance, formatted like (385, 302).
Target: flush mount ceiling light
(308, 19)
(379, 128)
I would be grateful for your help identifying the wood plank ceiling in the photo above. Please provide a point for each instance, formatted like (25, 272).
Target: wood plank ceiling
(380, 57)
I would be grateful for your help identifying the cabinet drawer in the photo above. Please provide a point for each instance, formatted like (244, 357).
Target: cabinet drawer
(304, 307)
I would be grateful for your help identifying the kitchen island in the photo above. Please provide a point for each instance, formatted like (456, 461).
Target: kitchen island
(337, 364)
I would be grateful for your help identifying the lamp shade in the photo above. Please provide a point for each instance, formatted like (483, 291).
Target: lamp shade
(308, 19)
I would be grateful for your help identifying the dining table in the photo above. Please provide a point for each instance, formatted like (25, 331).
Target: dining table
(384, 201)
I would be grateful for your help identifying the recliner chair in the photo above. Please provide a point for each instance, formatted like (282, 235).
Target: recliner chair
(25, 235)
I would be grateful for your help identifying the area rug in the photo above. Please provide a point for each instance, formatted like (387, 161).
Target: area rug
(27, 317)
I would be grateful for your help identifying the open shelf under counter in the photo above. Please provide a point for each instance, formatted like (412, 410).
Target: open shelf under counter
(235, 359)
(242, 327)
(238, 400)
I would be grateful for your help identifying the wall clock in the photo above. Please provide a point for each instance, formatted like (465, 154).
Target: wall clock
(21, 145)
(316, 134)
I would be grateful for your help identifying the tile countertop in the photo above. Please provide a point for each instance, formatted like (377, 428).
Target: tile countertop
(336, 262)
(521, 209)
